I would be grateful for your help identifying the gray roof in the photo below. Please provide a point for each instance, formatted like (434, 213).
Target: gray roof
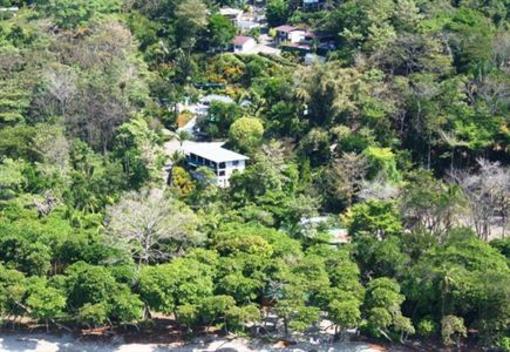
(286, 28)
(212, 151)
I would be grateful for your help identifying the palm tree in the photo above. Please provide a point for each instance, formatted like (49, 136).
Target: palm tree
(453, 142)
(181, 136)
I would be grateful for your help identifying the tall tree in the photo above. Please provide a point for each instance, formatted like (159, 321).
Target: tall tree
(151, 225)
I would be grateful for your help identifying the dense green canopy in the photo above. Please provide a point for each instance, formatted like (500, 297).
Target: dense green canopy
(400, 138)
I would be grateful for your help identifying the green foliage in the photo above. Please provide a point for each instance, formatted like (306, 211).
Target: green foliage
(426, 327)
(382, 161)
(221, 31)
(181, 181)
(17, 142)
(88, 284)
(345, 313)
(184, 281)
(407, 86)
(504, 344)
(20, 249)
(69, 14)
(462, 276)
(502, 245)
(12, 290)
(12, 178)
(127, 306)
(476, 31)
(93, 314)
(379, 219)
(191, 17)
(238, 317)
(220, 117)
(382, 308)
(45, 302)
(135, 147)
(452, 328)
(277, 12)
(94, 180)
(316, 146)
(246, 133)
(96, 297)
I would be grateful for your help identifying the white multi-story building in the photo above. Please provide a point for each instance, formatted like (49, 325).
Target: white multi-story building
(222, 161)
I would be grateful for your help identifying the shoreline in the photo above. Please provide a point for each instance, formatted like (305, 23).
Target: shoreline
(47, 342)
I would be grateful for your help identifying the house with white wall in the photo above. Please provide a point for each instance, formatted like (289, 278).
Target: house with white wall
(287, 33)
(243, 44)
(222, 161)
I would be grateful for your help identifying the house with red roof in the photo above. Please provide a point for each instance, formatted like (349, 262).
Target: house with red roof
(243, 44)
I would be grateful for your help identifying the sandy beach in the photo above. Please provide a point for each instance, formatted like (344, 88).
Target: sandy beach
(24, 342)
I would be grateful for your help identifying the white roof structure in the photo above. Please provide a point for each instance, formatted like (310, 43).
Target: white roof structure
(212, 151)
(216, 97)
(9, 9)
(231, 12)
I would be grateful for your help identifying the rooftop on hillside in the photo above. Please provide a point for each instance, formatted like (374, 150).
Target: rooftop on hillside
(286, 28)
(241, 40)
(212, 151)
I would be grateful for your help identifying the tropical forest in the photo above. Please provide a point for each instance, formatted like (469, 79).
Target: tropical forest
(264, 169)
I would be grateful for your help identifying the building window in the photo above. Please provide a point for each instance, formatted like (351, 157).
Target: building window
(221, 173)
(222, 165)
(235, 162)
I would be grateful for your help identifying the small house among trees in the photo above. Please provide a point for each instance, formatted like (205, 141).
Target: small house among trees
(243, 44)
(222, 161)
(287, 33)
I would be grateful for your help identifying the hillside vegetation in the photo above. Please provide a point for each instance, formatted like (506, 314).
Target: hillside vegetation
(401, 137)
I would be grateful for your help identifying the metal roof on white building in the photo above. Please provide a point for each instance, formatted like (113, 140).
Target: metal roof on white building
(212, 151)
(216, 97)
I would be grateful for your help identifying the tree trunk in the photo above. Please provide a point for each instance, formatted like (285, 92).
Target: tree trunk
(429, 157)
(146, 313)
(385, 335)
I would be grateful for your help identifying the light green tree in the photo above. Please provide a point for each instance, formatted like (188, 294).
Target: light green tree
(46, 303)
(246, 133)
(191, 18)
(452, 330)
